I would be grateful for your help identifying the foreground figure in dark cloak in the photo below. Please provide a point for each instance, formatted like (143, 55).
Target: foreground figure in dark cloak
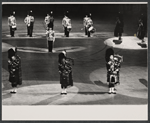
(70, 63)
(64, 72)
(14, 68)
(113, 65)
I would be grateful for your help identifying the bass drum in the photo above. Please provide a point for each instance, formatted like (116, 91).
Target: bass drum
(69, 28)
(14, 27)
(91, 29)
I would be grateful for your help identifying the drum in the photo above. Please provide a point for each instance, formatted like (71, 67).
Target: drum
(69, 28)
(14, 27)
(50, 38)
(91, 29)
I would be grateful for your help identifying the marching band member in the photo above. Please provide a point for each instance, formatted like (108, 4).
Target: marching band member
(89, 26)
(119, 26)
(46, 20)
(85, 23)
(70, 62)
(118, 59)
(29, 21)
(113, 65)
(49, 20)
(141, 31)
(108, 53)
(12, 24)
(50, 38)
(14, 68)
(112, 77)
(66, 22)
(64, 71)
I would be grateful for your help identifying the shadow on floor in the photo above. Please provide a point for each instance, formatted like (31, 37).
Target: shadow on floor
(7, 95)
(48, 100)
(144, 82)
(143, 45)
(92, 93)
(99, 83)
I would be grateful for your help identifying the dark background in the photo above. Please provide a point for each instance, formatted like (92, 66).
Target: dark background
(75, 10)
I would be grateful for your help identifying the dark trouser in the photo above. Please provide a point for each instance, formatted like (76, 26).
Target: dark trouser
(30, 30)
(66, 31)
(88, 33)
(50, 46)
(51, 25)
(85, 30)
(12, 31)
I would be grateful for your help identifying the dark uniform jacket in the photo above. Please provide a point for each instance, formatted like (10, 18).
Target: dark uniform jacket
(14, 68)
(64, 69)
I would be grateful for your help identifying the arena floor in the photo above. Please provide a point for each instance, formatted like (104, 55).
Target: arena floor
(40, 69)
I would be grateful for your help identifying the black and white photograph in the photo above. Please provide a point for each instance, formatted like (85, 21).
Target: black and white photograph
(58, 55)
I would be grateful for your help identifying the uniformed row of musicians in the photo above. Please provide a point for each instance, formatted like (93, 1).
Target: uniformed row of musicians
(66, 23)
(49, 23)
(113, 65)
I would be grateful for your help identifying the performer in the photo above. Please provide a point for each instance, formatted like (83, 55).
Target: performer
(119, 26)
(46, 20)
(108, 53)
(66, 22)
(118, 59)
(50, 34)
(142, 27)
(85, 23)
(64, 71)
(29, 21)
(51, 21)
(70, 63)
(113, 65)
(12, 24)
(112, 75)
(89, 26)
(14, 68)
